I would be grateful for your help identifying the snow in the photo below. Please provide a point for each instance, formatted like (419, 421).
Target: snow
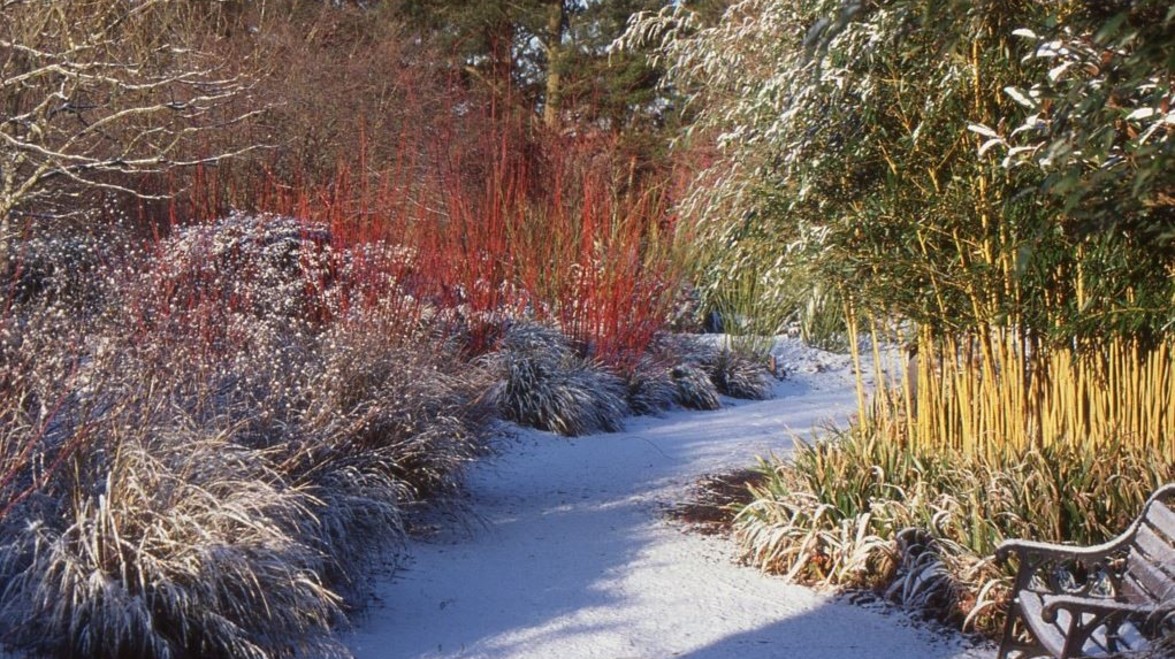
(575, 558)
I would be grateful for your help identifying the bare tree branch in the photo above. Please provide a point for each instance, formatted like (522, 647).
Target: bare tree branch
(91, 98)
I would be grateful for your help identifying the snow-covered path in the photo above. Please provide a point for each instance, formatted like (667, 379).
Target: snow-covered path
(577, 560)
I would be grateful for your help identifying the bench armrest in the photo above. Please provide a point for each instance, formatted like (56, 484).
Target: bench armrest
(1050, 568)
(1101, 607)
(1024, 548)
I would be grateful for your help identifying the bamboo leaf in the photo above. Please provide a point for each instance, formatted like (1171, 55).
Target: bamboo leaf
(1022, 97)
(988, 145)
(983, 130)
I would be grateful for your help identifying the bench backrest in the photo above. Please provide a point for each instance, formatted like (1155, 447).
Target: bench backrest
(1150, 563)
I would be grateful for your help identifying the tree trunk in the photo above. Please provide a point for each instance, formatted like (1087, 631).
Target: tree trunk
(5, 225)
(556, 28)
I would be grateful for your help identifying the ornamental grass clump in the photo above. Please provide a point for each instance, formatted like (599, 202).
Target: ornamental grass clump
(544, 383)
(364, 417)
(137, 520)
(739, 375)
(164, 538)
(703, 371)
(693, 388)
(974, 440)
(279, 395)
(356, 520)
(382, 390)
(857, 510)
(684, 358)
(650, 387)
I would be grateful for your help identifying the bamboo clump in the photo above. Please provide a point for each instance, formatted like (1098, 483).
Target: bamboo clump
(999, 393)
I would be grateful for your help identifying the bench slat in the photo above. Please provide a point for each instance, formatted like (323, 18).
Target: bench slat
(1162, 519)
(1155, 548)
(1152, 582)
(1148, 567)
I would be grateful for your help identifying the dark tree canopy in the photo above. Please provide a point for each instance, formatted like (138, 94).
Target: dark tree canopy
(549, 56)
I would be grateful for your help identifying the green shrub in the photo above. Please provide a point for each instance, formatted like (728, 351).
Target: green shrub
(959, 165)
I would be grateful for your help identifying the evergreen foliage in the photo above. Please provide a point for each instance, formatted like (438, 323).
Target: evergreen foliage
(516, 49)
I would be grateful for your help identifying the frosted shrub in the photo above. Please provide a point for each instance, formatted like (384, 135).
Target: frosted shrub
(63, 270)
(368, 423)
(546, 385)
(417, 408)
(268, 266)
(210, 477)
(384, 276)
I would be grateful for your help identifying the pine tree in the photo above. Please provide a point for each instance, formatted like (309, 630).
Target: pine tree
(551, 56)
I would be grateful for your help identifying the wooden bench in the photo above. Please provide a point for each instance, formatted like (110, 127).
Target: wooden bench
(1095, 601)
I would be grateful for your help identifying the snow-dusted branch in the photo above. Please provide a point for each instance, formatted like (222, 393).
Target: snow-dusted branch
(92, 99)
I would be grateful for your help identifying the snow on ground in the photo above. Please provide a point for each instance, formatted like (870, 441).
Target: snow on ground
(575, 558)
